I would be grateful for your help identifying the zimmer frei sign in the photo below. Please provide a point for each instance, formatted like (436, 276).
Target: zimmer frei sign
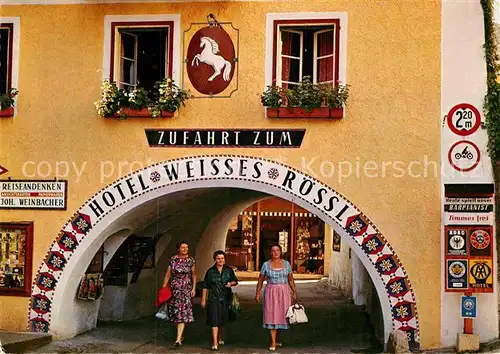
(215, 168)
(469, 210)
(48, 195)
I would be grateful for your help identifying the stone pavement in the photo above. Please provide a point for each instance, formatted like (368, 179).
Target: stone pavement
(335, 326)
(15, 342)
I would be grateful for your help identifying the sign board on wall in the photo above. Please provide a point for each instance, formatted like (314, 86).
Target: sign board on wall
(464, 119)
(469, 240)
(228, 138)
(481, 275)
(33, 194)
(469, 210)
(469, 305)
(464, 153)
(210, 51)
(468, 237)
(464, 156)
(456, 277)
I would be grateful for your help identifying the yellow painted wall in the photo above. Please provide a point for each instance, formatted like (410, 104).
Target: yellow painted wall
(393, 67)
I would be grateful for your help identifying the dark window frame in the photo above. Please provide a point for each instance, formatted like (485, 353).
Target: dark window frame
(28, 266)
(116, 26)
(280, 24)
(10, 27)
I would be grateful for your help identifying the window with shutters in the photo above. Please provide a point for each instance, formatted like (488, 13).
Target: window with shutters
(141, 53)
(306, 48)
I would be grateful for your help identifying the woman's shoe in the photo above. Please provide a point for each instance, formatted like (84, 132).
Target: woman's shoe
(177, 344)
(214, 348)
(272, 349)
(221, 342)
(279, 344)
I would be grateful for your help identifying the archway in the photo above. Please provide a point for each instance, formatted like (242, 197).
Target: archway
(53, 303)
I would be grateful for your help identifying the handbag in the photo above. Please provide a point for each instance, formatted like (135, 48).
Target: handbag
(164, 294)
(162, 314)
(296, 314)
(235, 302)
(234, 306)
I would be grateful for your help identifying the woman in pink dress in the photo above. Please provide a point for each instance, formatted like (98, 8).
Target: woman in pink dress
(278, 293)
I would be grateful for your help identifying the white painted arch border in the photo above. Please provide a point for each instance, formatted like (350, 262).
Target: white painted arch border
(391, 281)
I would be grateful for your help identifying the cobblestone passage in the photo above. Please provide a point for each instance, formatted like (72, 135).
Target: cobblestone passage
(335, 326)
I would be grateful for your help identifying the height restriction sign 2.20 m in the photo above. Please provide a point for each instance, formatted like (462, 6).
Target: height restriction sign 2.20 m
(464, 119)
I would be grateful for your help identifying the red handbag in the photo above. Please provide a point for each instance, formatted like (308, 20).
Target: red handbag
(164, 294)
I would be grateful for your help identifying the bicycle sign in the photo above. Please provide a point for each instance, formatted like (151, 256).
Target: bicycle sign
(464, 119)
(464, 156)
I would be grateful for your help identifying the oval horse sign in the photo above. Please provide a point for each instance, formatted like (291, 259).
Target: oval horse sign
(210, 60)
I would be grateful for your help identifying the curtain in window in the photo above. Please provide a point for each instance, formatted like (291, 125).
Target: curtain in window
(286, 49)
(325, 56)
(128, 60)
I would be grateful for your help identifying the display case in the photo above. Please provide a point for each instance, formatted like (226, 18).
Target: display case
(240, 242)
(310, 244)
(16, 247)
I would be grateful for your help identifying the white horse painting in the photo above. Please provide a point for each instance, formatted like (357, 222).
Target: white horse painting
(209, 56)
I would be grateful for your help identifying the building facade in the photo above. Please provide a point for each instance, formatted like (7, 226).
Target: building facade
(78, 181)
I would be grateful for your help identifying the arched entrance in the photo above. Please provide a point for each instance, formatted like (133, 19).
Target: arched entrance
(53, 303)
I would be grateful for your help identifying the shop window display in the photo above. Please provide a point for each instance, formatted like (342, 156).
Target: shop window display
(240, 244)
(15, 258)
(300, 234)
(274, 229)
(309, 249)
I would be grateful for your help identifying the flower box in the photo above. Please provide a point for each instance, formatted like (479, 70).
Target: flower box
(296, 112)
(130, 112)
(7, 112)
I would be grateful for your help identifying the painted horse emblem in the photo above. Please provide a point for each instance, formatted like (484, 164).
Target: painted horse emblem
(209, 56)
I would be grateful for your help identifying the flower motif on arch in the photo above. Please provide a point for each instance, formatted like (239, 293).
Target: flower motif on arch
(46, 281)
(67, 241)
(273, 173)
(155, 176)
(81, 223)
(41, 304)
(404, 311)
(55, 261)
(39, 325)
(387, 265)
(398, 287)
(356, 225)
(373, 245)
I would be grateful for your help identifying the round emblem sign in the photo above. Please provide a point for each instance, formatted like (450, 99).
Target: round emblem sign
(464, 119)
(457, 269)
(480, 239)
(480, 271)
(457, 242)
(210, 60)
(464, 155)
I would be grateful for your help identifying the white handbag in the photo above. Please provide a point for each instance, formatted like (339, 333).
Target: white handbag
(296, 314)
(162, 314)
